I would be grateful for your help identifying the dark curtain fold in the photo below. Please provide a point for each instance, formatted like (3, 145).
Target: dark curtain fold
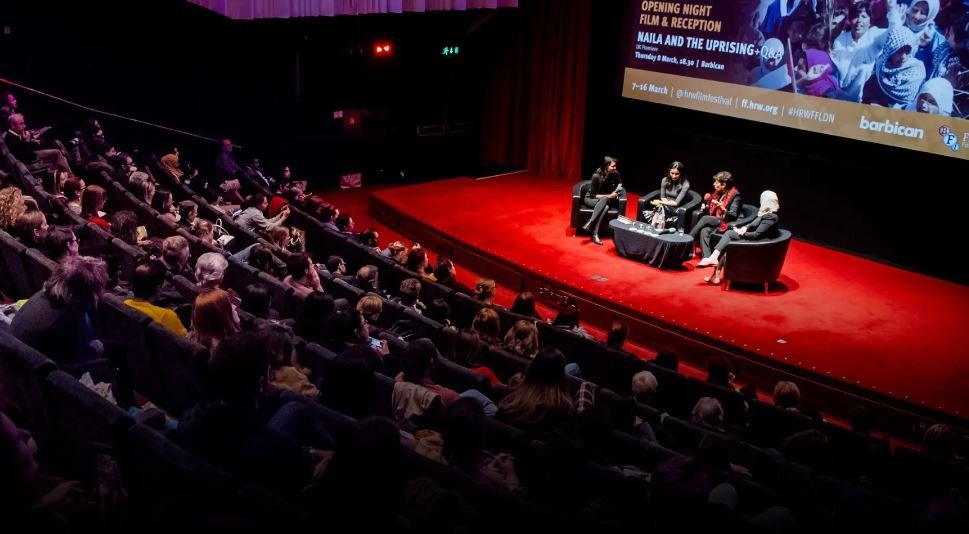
(534, 109)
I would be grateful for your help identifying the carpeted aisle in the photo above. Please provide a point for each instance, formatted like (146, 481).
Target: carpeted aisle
(873, 325)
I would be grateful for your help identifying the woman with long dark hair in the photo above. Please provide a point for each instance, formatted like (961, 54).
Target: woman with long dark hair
(604, 192)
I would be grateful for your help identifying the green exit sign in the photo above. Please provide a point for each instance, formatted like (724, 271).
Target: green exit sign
(450, 50)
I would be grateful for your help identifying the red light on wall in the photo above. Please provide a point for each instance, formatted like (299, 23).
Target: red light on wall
(382, 49)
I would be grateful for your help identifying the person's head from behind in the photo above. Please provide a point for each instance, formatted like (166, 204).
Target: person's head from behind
(336, 265)
(617, 334)
(463, 429)
(298, 266)
(188, 211)
(279, 236)
(238, 368)
(261, 258)
(444, 269)
(61, 243)
(719, 370)
(78, 281)
(148, 276)
(124, 226)
(370, 306)
(204, 230)
(567, 317)
(367, 278)
(344, 222)
(227, 145)
(707, 411)
(256, 300)
(398, 251)
(484, 290)
(644, 386)
(542, 392)
(439, 311)
(213, 317)
(347, 326)
(486, 322)
(410, 291)
(808, 448)
(787, 396)
(280, 349)
(524, 304)
(256, 200)
(210, 269)
(547, 368)
(522, 338)
(722, 181)
(175, 252)
(939, 441)
(92, 200)
(348, 386)
(31, 227)
(419, 360)
(316, 310)
(416, 260)
(327, 212)
(818, 37)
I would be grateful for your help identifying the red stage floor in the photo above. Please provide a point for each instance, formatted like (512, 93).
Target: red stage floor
(878, 327)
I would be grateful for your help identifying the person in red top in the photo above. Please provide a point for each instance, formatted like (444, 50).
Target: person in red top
(92, 202)
(718, 210)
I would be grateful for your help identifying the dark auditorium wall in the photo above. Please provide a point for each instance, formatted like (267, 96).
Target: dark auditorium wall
(271, 84)
(893, 205)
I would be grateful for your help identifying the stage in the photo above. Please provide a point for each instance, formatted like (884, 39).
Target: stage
(845, 328)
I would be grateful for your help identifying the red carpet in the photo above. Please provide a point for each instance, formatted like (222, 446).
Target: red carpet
(868, 324)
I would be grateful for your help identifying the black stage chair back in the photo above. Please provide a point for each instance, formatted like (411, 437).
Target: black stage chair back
(756, 262)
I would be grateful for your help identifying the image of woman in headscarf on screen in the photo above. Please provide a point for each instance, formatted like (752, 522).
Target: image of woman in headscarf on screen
(897, 76)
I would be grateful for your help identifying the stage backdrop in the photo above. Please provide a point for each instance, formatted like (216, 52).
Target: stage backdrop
(886, 77)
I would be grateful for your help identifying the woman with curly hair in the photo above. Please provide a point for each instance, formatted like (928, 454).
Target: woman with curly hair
(11, 207)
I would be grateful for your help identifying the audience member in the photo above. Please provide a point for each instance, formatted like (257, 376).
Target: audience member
(303, 277)
(418, 366)
(60, 320)
(541, 404)
(484, 290)
(145, 282)
(210, 270)
(31, 229)
(487, 326)
(60, 243)
(214, 318)
(522, 339)
(525, 305)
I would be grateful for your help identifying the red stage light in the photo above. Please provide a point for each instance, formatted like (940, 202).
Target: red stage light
(382, 49)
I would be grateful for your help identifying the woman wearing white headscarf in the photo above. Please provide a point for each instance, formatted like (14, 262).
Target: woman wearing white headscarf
(898, 75)
(935, 98)
(933, 50)
(763, 227)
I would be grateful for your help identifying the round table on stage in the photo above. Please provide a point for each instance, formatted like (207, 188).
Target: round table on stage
(641, 242)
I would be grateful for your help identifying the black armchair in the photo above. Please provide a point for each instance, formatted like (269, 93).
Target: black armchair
(748, 212)
(685, 211)
(581, 213)
(756, 262)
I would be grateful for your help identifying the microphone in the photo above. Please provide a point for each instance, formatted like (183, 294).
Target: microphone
(707, 197)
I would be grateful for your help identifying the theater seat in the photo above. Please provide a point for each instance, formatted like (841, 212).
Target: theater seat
(756, 262)
(581, 213)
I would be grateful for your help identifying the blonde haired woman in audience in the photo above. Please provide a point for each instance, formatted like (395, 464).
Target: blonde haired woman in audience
(522, 339)
(370, 307)
(11, 207)
(205, 231)
(484, 290)
(214, 319)
(210, 270)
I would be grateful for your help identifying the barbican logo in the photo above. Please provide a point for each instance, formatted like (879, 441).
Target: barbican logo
(892, 128)
(949, 138)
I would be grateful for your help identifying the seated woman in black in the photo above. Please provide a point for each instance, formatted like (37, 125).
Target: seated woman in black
(605, 190)
(672, 193)
(763, 227)
(718, 210)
